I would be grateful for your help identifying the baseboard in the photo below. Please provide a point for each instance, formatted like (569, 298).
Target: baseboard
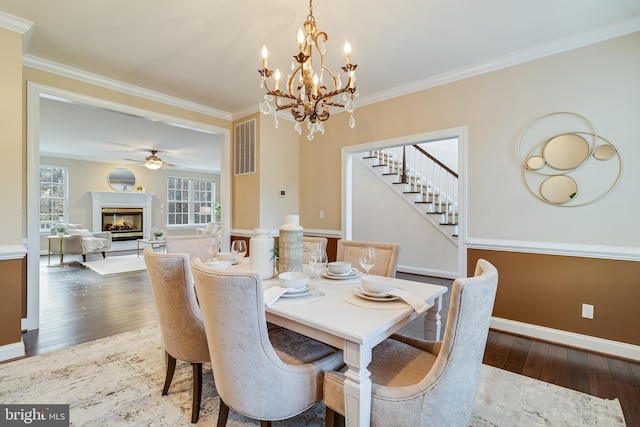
(12, 351)
(599, 345)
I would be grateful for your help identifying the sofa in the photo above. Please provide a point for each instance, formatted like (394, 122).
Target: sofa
(80, 241)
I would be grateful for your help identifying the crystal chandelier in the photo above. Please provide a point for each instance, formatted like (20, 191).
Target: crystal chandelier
(309, 93)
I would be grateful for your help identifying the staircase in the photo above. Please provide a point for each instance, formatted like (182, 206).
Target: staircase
(422, 181)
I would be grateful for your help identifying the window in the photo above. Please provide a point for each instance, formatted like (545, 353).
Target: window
(54, 196)
(190, 201)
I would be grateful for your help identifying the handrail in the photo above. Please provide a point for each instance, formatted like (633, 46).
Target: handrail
(436, 161)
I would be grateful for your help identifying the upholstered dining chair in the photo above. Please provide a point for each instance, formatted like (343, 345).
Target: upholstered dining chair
(307, 241)
(417, 382)
(264, 374)
(181, 325)
(387, 253)
(194, 245)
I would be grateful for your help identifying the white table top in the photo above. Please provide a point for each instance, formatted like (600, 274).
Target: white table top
(339, 312)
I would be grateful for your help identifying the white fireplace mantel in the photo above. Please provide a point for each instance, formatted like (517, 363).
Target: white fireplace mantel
(105, 199)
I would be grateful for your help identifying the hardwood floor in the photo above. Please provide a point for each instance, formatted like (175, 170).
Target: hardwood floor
(78, 305)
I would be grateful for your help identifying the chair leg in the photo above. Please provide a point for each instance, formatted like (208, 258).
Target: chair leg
(103, 255)
(333, 419)
(197, 391)
(223, 414)
(265, 423)
(84, 258)
(171, 367)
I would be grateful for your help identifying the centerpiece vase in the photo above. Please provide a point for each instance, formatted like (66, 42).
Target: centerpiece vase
(261, 256)
(290, 245)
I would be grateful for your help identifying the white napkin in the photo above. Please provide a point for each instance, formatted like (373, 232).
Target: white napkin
(415, 302)
(272, 294)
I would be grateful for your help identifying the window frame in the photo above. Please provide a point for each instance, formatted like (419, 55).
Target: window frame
(65, 198)
(190, 202)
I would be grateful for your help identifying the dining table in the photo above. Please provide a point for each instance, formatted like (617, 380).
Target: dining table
(334, 312)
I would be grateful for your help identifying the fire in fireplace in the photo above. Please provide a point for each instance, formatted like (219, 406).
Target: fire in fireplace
(123, 223)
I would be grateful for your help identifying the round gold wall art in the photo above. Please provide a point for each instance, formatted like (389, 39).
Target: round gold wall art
(565, 162)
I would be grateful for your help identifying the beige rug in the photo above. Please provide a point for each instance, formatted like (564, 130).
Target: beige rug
(116, 264)
(117, 381)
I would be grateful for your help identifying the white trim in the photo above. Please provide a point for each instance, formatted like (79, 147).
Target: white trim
(12, 351)
(587, 38)
(34, 92)
(600, 345)
(625, 253)
(347, 173)
(9, 252)
(95, 79)
(19, 25)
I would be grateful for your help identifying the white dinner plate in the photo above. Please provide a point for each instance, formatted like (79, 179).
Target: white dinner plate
(302, 292)
(367, 295)
(353, 273)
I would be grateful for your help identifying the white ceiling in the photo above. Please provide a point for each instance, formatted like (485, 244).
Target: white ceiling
(208, 52)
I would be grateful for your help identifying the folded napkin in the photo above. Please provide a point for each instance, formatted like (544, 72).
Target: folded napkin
(415, 302)
(272, 294)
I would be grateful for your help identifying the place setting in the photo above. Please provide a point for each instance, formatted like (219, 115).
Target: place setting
(374, 290)
(293, 287)
(226, 260)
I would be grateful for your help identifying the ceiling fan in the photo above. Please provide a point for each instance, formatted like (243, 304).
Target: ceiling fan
(152, 161)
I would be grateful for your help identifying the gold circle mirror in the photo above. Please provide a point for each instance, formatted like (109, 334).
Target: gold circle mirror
(566, 152)
(122, 179)
(604, 152)
(558, 189)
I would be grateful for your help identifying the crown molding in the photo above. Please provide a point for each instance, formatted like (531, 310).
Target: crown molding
(95, 79)
(618, 29)
(19, 25)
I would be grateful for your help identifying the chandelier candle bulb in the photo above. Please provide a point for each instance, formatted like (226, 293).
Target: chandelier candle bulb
(277, 79)
(347, 51)
(265, 54)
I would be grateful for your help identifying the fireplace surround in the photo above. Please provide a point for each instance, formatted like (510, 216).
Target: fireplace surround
(127, 203)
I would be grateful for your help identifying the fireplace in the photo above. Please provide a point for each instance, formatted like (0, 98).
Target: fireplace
(123, 223)
(127, 214)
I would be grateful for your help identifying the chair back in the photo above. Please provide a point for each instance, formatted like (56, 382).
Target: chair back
(195, 246)
(387, 253)
(179, 315)
(250, 377)
(447, 392)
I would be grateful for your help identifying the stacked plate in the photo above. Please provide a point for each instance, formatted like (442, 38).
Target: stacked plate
(350, 275)
(374, 296)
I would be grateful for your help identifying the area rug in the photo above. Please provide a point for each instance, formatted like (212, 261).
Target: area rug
(117, 381)
(116, 264)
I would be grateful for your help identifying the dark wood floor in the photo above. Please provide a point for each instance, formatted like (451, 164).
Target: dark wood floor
(78, 305)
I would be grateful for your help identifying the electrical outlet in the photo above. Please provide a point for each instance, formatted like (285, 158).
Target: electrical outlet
(587, 311)
(321, 214)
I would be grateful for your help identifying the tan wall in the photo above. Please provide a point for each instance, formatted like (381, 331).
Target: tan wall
(549, 290)
(11, 125)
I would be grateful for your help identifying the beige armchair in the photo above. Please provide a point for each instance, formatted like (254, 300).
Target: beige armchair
(417, 382)
(181, 325)
(265, 374)
(349, 250)
(80, 241)
(197, 246)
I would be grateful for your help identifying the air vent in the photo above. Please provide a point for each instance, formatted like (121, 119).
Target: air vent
(245, 148)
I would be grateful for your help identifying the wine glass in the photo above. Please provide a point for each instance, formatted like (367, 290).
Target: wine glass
(368, 258)
(239, 249)
(212, 247)
(317, 259)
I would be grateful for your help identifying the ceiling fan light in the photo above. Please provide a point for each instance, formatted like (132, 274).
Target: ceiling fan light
(151, 164)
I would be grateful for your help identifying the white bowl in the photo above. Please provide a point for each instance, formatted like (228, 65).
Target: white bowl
(219, 265)
(339, 267)
(376, 284)
(224, 256)
(293, 279)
